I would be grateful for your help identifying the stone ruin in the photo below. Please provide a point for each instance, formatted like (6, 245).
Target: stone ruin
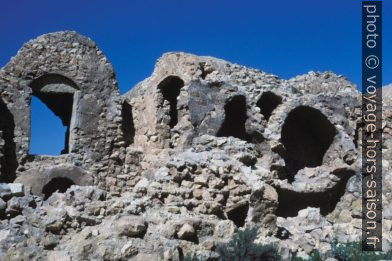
(200, 147)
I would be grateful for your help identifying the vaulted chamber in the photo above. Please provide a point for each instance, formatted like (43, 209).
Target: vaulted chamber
(306, 135)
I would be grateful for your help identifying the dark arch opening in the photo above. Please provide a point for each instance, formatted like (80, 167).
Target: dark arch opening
(235, 118)
(127, 126)
(57, 93)
(290, 202)
(56, 184)
(306, 135)
(238, 214)
(8, 161)
(170, 89)
(268, 103)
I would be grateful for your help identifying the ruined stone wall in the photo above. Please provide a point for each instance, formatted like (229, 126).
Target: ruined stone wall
(200, 148)
(72, 77)
(303, 133)
(223, 99)
(186, 97)
(207, 82)
(208, 85)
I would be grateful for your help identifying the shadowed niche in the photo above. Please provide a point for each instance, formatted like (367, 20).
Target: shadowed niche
(9, 161)
(235, 118)
(127, 126)
(170, 89)
(290, 202)
(238, 214)
(268, 103)
(56, 184)
(57, 93)
(306, 135)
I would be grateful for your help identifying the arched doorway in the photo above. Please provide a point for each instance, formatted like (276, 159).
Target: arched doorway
(56, 92)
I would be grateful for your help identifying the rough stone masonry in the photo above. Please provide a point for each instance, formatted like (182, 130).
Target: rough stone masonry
(201, 147)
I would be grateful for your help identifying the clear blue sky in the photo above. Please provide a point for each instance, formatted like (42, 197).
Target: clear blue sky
(285, 38)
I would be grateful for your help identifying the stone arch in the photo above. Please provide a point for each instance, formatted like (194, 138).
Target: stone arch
(306, 134)
(96, 109)
(235, 118)
(8, 160)
(60, 184)
(170, 88)
(57, 93)
(127, 125)
(36, 179)
(267, 103)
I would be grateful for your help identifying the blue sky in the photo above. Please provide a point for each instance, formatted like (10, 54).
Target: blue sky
(285, 38)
